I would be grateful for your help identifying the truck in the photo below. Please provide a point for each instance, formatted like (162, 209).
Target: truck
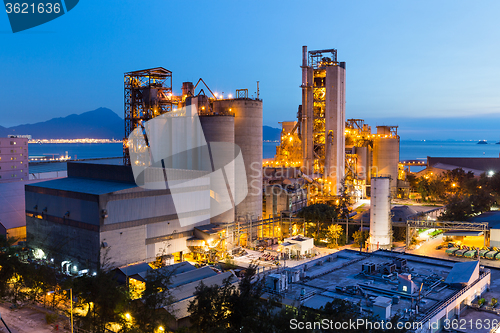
(472, 253)
(491, 254)
(461, 252)
(450, 251)
(483, 252)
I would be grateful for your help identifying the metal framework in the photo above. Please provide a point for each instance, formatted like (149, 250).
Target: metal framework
(148, 93)
(321, 58)
(241, 93)
(446, 225)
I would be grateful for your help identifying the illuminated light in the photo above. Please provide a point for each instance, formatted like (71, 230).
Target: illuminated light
(229, 96)
(161, 328)
(128, 316)
(453, 184)
(491, 173)
(75, 268)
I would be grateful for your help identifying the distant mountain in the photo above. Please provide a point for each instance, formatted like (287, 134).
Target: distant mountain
(99, 124)
(271, 133)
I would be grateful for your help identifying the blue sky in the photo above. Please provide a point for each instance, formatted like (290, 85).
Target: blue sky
(430, 60)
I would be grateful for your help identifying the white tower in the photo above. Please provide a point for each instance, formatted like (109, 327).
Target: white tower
(380, 214)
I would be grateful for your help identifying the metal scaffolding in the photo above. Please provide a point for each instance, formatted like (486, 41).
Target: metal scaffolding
(148, 93)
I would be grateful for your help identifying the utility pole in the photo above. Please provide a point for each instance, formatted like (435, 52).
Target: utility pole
(5, 324)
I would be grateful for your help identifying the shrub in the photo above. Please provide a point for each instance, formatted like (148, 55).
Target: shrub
(494, 301)
(481, 301)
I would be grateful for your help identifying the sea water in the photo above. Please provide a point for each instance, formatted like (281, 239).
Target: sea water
(409, 150)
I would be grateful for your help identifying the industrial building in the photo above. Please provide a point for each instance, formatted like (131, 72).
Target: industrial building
(13, 159)
(476, 165)
(330, 150)
(420, 290)
(100, 213)
(322, 115)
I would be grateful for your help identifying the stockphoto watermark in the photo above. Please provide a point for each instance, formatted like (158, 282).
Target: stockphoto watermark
(25, 14)
(171, 152)
(353, 325)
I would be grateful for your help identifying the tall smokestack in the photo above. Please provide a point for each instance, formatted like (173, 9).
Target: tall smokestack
(304, 55)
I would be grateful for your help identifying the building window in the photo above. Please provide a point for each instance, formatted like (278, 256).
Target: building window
(21, 162)
(11, 143)
(21, 155)
(14, 167)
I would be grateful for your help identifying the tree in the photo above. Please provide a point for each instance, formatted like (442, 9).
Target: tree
(360, 237)
(333, 233)
(319, 213)
(153, 310)
(102, 297)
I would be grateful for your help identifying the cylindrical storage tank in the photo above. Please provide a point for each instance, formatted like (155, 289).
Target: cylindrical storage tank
(362, 162)
(220, 128)
(248, 136)
(386, 159)
(187, 88)
(380, 214)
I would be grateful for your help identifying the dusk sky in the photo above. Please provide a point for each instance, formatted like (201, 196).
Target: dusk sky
(431, 60)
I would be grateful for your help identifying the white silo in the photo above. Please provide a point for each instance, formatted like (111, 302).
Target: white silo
(380, 214)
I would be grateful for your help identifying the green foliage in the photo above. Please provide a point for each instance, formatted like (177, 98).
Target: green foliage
(360, 237)
(104, 298)
(494, 301)
(154, 308)
(464, 195)
(333, 233)
(481, 301)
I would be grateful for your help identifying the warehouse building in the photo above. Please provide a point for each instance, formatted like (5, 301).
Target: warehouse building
(98, 215)
(418, 289)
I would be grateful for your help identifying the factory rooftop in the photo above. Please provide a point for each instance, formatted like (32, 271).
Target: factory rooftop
(389, 280)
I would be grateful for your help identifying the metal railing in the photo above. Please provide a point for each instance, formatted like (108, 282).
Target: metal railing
(438, 307)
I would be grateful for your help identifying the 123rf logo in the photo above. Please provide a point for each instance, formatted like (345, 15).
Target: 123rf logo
(28, 14)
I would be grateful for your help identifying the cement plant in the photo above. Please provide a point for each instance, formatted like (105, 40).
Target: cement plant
(336, 217)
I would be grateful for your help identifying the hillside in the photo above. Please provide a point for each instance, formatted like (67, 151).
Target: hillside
(99, 124)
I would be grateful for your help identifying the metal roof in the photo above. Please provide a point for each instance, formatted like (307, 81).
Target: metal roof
(317, 301)
(462, 272)
(85, 185)
(151, 71)
(191, 276)
(185, 294)
(187, 290)
(134, 269)
(174, 269)
(493, 219)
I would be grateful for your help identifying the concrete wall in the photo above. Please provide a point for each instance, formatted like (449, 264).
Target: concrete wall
(495, 237)
(13, 159)
(64, 242)
(143, 225)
